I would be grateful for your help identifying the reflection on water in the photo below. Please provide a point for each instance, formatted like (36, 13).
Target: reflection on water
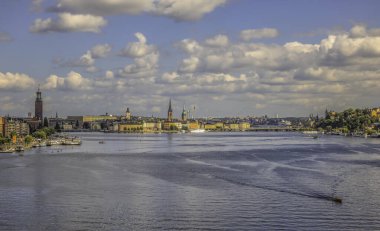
(248, 181)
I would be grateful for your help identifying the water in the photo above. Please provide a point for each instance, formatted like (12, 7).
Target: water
(210, 181)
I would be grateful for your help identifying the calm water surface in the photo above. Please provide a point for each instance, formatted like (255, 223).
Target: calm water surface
(210, 181)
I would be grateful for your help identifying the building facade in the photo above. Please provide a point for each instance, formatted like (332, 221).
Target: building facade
(18, 127)
(2, 126)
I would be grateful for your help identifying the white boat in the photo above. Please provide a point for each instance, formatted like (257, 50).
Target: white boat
(198, 131)
(310, 132)
(54, 142)
(72, 141)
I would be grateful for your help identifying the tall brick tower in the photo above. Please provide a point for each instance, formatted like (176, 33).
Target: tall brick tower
(38, 106)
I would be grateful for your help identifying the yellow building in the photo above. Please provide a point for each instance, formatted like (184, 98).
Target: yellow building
(91, 118)
(219, 125)
(170, 125)
(210, 127)
(152, 126)
(232, 126)
(244, 126)
(130, 127)
(2, 124)
(193, 125)
(375, 112)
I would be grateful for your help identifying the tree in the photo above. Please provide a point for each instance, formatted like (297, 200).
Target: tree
(48, 131)
(28, 139)
(46, 122)
(39, 134)
(77, 124)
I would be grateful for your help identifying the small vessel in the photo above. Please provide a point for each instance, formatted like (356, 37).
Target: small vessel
(315, 137)
(101, 142)
(310, 132)
(19, 148)
(54, 142)
(337, 200)
(198, 131)
(72, 141)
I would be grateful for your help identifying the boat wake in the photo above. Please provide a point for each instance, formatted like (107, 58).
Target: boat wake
(310, 194)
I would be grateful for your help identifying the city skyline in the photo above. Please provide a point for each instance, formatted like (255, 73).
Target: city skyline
(227, 58)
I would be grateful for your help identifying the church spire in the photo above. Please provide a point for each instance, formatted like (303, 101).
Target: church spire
(170, 111)
(170, 105)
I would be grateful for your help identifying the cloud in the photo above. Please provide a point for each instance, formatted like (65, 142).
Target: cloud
(103, 7)
(217, 41)
(186, 10)
(87, 60)
(138, 49)
(109, 74)
(73, 81)
(37, 5)
(189, 46)
(189, 65)
(15, 81)
(180, 10)
(313, 76)
(145, 62)
(360, 30)
(169, 76)
(5, 37)
(100, 51)
(145, 66)
(247, 35)
(67, 22)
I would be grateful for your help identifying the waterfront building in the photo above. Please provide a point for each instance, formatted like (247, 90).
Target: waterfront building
(193, 125)
(152, 126)
(244, 126)
(210, 126)
(131, 127)
(172, 125)
(2, 126)
(128, 114)
(19, 127)
(91, 118)
(55, 122)
(232, 126)
(67, 126)
(170, 111)
(375, 112)
(38, 106)
(114, 127)
(219, 125)
(95, 126)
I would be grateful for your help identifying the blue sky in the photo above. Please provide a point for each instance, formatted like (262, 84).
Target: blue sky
(229, 58)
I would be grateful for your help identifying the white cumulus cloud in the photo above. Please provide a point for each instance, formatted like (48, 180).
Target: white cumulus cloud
(73, 81)
(181, 10)
(15, 81)
(138, 49)
(67, 22)
(217, 41)
(186, 10)
(247, 35)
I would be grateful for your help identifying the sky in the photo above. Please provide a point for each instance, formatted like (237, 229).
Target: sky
(221, 57)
